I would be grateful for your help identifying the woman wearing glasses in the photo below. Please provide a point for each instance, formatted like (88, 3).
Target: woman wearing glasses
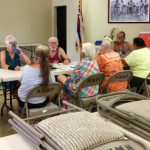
(11, 57)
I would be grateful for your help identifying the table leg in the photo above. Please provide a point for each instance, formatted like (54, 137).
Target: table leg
(5, 101)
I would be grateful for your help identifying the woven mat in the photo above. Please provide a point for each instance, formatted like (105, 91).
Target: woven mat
(79, 130)
(140, 108)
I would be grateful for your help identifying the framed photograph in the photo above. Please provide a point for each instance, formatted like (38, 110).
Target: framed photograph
(128, 11)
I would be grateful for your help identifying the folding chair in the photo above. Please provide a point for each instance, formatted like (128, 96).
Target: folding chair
(145, 86)
(52, 90)
(88, 103)
(121, 76)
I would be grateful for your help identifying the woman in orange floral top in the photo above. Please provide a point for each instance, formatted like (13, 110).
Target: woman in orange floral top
(109, 63)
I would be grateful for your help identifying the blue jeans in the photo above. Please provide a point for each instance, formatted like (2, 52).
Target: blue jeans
(67, 90)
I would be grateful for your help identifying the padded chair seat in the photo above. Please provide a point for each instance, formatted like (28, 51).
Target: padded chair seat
(87, 101)
(79, 130)
(139, 108)
(49, 108)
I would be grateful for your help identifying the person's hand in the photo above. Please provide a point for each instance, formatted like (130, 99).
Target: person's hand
(66, 61)
(19, 49)
(17, 68)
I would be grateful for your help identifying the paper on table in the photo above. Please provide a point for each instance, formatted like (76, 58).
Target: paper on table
(64, 67)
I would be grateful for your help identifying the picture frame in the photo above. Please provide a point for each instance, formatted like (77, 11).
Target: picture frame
(128, 11)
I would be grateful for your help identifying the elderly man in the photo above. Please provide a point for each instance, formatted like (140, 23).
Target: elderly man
(56, 54)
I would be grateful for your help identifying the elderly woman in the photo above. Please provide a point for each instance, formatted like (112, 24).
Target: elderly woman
(83, 69)
(109, 63)
(56, 54)
(139, 62)
(10, 58)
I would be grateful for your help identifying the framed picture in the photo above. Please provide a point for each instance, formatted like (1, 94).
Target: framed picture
(128, 11)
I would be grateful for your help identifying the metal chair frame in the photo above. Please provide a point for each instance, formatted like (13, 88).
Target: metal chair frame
(92, 80)
(8, 94)
(145, 86)
(121, 76)
(52, 90)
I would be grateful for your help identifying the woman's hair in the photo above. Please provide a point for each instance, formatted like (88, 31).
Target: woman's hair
(108, 42)
(88, 49)
(42, 52)
(8, 38)
(139, 42)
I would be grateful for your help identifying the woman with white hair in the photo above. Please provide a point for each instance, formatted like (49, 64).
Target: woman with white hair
(56, 54)
(83, 69)
(89, 49)
(110, 63)
(11, 57)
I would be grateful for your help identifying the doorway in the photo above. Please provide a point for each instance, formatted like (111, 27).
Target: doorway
(62, 26)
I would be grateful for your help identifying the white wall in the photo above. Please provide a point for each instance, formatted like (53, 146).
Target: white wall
(28, 20)
(95, 13)
(72, 7)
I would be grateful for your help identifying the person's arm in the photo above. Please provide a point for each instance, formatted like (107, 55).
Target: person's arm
(64, 56)
(24, 57)
(6, 66)
(130, 47)
(3, 60)
(124, 62)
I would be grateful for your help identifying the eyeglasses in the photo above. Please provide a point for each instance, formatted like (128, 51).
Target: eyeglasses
(12, 43)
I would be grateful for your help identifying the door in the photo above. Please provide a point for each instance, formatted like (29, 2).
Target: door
(62, 26)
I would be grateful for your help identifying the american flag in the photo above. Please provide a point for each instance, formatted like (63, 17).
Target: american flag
(80, 29)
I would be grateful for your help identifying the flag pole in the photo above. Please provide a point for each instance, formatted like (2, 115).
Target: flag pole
(80, 3)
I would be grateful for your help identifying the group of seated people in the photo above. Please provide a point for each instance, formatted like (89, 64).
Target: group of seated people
(108, 61)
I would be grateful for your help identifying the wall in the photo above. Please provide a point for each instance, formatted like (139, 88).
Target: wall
(95, 13)
(28, 20)
(72, 7)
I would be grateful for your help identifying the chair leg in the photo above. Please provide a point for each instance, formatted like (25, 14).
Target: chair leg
(5, 101)
(11, 97)
(147, 91)
(2, 109)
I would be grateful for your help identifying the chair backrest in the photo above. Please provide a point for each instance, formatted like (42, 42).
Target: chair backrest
(145, 86)
(121, 76)
(124, 75)
(52, 90)
(92, 80)
(148, 76)
(38, 91)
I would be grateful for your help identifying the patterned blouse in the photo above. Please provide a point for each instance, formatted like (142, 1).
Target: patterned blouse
(109, 64)
(82, 70)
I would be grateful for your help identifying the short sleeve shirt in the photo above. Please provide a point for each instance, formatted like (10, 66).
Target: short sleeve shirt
(139, 62)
